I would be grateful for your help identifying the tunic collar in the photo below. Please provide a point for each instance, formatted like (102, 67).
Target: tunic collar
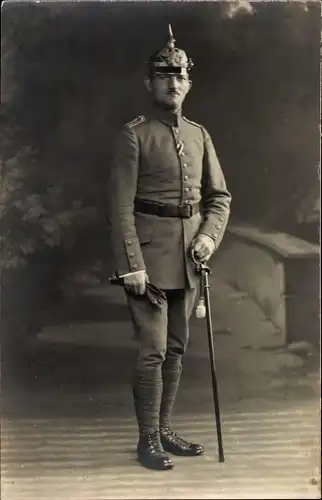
(171, 118)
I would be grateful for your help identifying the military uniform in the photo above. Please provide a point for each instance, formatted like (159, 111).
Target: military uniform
(167, 187)
(165, 158)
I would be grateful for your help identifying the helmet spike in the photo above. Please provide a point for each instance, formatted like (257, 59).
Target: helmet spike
(171, 41)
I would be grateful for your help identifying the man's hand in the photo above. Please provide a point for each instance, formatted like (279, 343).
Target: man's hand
(203, 246)
(135, 282)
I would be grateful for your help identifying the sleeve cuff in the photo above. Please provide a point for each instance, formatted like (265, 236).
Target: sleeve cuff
(130, 274)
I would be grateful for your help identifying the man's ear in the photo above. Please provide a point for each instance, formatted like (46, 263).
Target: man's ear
(148, 84)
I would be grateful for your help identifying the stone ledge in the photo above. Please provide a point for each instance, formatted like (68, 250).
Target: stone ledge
(279, 272)
(282, 243)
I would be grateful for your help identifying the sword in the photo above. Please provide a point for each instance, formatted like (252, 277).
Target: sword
(204, 310)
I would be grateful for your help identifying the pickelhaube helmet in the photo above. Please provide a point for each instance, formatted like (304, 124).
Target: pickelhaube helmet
(170, 60)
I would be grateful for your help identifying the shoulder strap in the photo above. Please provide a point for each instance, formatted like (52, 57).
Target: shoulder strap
(136, 121)
(192, 123)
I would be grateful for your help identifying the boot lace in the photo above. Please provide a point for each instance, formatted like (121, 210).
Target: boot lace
(154, 442)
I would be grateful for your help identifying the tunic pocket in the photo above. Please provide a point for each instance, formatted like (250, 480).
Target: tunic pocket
(145, 236)
(145, 229)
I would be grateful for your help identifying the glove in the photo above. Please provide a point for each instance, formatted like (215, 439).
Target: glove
(203, 246)
(156, 296)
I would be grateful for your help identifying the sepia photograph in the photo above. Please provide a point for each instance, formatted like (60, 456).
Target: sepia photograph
(160, 250)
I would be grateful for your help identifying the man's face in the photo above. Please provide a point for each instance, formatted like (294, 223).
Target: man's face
(169, 91)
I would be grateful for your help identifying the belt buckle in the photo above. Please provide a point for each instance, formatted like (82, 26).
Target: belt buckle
(185, 211)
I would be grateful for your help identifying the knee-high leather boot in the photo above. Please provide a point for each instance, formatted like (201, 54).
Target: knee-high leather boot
(171, 442)
(147, 392)
(171, 374)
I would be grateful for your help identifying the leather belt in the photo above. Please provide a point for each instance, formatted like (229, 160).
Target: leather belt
(164, 210)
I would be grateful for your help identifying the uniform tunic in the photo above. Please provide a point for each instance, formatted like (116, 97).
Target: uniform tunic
(164, 157)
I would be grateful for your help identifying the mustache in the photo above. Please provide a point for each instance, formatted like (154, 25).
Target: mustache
(173, 92)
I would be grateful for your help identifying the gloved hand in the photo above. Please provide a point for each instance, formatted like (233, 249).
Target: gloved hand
(152, 293)
(203, 247)
(135, 283)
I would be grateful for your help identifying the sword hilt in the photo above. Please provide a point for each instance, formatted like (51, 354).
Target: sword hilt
(201, 267)
(202, 270)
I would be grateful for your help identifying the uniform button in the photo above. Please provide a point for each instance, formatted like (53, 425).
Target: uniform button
(182, 153)
(131, 254)
(134, 266)
(218, 226)
(186, 190)
(129, 242)
(215, 235)
(186, 202)
(176, 131)
(185, 178)
(185, 165)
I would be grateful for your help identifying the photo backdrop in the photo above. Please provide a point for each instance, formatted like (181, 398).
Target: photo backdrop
(72, 75)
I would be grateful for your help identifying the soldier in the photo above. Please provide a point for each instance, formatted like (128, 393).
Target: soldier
(168, 197)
